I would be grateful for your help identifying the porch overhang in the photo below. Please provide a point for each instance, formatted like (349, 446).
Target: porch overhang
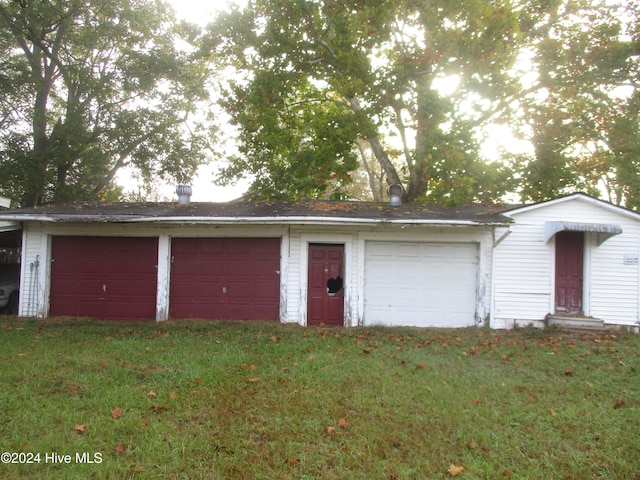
(604, 231)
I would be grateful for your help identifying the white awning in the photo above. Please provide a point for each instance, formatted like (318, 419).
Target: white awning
(604, 230)
(9, 226)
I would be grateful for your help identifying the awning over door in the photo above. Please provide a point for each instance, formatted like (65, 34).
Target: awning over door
(604, 230)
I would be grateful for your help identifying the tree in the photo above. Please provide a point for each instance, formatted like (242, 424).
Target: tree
(428, 74)
(582, 112)
(88, 87)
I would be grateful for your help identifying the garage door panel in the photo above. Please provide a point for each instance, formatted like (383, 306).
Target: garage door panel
(104, 277)
(420, 284)
(225, 278)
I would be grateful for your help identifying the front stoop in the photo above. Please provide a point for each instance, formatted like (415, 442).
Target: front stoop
(576, 323)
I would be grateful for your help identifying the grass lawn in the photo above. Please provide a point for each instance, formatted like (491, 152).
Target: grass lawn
(213, 400)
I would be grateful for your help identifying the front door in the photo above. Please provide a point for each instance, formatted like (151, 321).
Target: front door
(325, 296)
(569, 267)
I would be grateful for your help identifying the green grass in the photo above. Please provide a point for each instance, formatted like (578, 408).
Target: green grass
(267, 401)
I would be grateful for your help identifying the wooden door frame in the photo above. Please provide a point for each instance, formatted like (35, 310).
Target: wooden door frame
(305, 241)
(588, 245)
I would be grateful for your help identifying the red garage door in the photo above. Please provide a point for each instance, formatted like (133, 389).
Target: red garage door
(225, 278)
(104, 277)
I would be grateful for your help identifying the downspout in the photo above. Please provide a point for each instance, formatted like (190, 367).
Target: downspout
(33, 286)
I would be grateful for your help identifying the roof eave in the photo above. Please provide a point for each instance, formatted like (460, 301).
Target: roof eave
(575, 196)
(280, 220)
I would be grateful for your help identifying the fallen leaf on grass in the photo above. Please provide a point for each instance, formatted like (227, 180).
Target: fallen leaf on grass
(151, 393)
(553, 412)
(254, 380)
(455, 471)
(139, 469)
(79, 428)
(120, 448)
(116, 412)
(331, 429)
(343, 423)
(619, 403)
(173, 395)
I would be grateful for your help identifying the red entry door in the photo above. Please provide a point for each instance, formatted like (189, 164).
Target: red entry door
(325, 298)
(569, 268)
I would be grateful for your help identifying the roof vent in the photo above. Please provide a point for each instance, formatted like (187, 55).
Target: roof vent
(184, 194)
(395, 195)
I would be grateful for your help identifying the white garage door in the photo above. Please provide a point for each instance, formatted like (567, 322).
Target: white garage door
(420, 284)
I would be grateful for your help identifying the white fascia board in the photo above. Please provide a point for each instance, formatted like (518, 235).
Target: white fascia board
(310, 221)
(577, 196)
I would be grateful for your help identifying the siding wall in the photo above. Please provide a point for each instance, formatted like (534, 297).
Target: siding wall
(33, 272)
(295, 240)
(524, 266)
(355, 240)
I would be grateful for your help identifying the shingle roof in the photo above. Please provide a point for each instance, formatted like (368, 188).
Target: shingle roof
(293, 211)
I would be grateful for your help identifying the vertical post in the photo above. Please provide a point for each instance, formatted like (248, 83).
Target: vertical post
(164, 275)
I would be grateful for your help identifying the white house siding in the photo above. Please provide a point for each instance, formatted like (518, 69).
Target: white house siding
(613, 288)
(33, 272)
(524, 265)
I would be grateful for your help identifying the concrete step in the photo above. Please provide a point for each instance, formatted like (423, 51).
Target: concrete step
(576, 323)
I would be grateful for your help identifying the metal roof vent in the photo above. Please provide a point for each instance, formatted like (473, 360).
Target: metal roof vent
(395, 195)
(184, 194)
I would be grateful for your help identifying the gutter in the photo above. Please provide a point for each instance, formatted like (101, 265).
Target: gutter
(243, 220)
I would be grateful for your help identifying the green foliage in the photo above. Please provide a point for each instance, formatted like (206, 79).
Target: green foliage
(375, 68)
(424, 79)
(89, 88)
(583, 108)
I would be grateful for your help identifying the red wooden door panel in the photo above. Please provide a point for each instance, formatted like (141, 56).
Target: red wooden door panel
(325, 297)
(104, 277)
(569, 272)
(225, 278)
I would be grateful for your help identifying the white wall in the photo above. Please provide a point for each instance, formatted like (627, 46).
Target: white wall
(524, 265)
(354, 239)
(294, 257)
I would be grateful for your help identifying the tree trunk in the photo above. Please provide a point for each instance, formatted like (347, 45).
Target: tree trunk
(378, 151)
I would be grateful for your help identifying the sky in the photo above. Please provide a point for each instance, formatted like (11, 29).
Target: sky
(197, 11)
